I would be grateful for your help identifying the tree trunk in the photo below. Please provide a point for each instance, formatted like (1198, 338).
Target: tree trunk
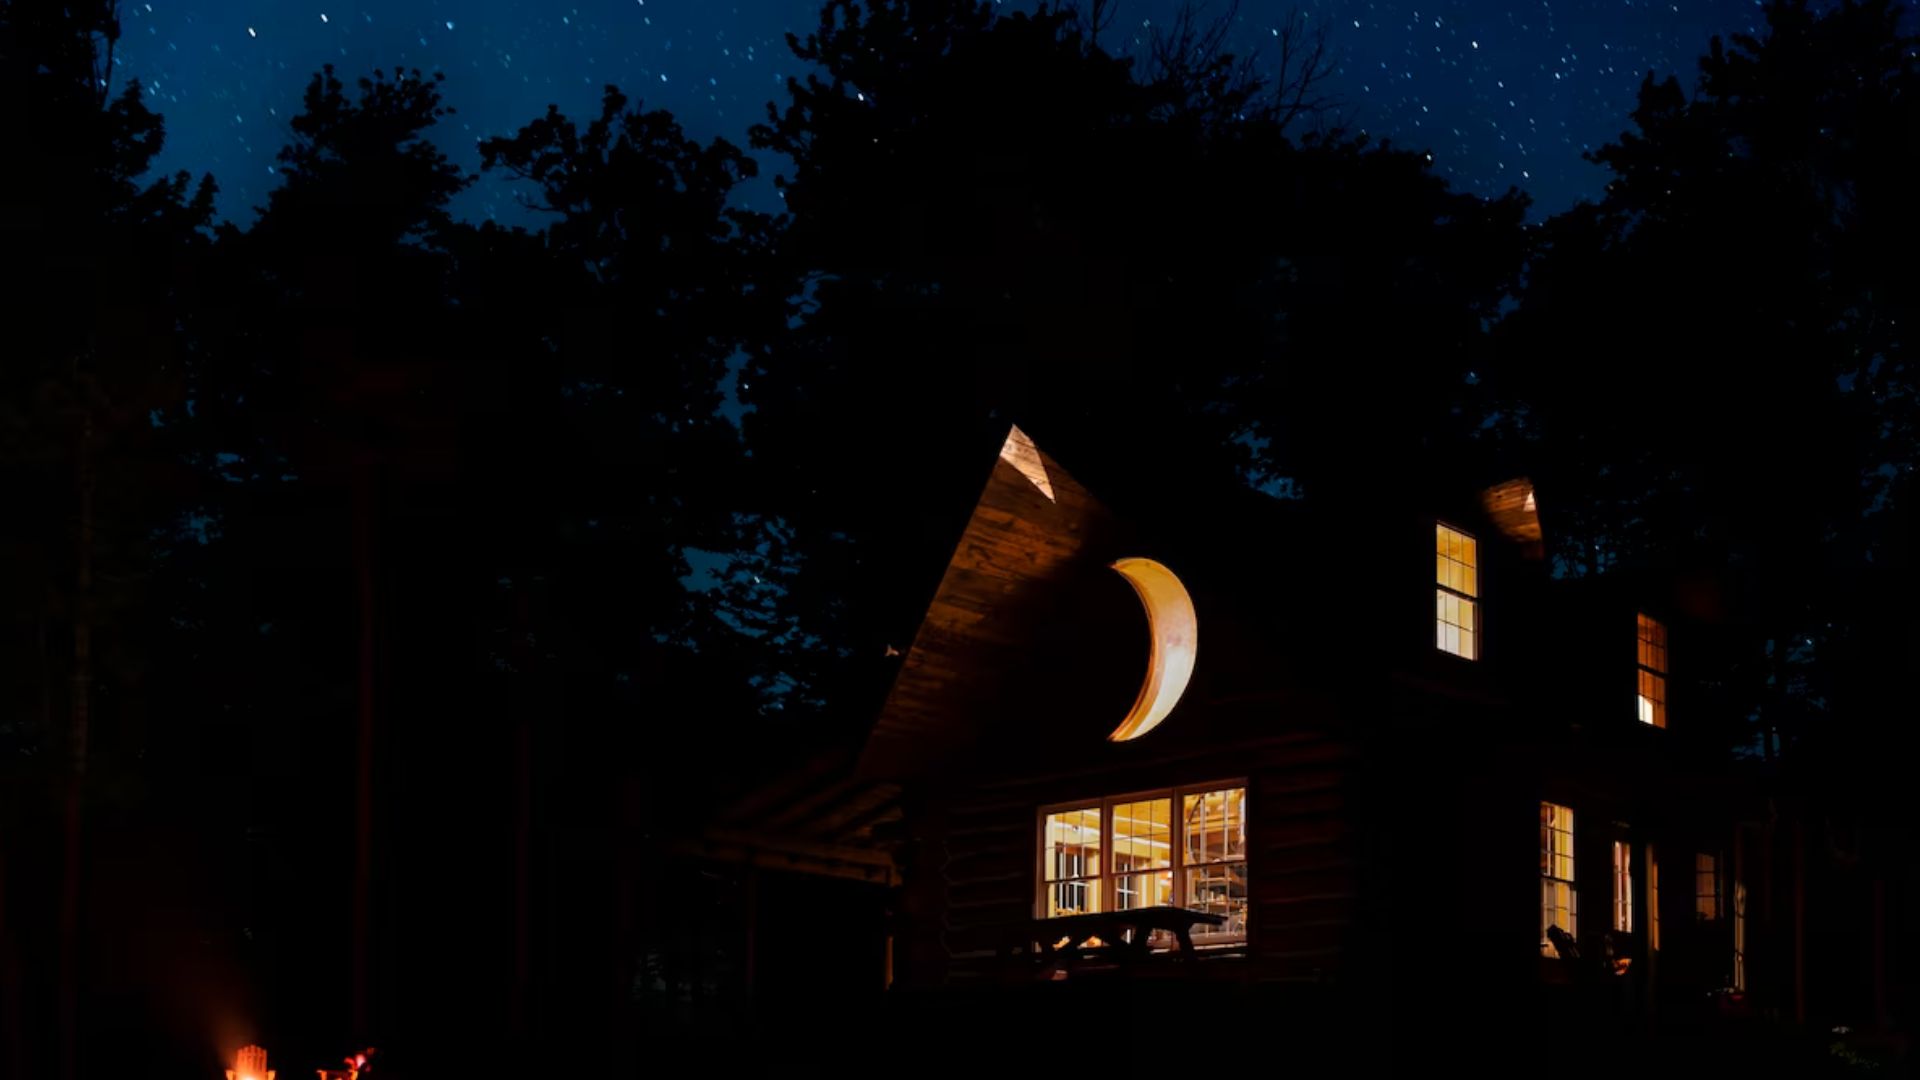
(1880, 1014)
(12, 1034)
(521, 702)
(363, 524)
(79, 683)
(1799, 920)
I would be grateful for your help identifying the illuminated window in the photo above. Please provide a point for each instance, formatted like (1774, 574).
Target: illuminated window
(1706, 887)
(1142, 854)
(1653, 900)
(1456, 622)
(1214, 857)
(1557, 898)
(1071, 853)
(1653, 672)
(1181, 848)
(1623, 886)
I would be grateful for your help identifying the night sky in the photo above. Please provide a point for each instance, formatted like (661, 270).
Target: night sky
(1502, 93)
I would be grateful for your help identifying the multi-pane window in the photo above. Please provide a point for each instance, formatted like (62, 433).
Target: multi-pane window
(1557, 897)
(1071, 854)
(1706, 887)
(1623, 886)
(1142, 854)
(1653, 900)
(1456, 614)
(1653, 671)
(1214, 856)
(1184, 848)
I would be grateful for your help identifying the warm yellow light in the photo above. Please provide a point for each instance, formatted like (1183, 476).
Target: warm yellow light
(1019, 452)
(250, 1063)
(1173, 633)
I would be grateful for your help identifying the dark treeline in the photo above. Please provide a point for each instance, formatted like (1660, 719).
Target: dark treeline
(377, 584)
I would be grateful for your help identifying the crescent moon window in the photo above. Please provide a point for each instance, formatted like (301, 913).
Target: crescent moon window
(1173, 634)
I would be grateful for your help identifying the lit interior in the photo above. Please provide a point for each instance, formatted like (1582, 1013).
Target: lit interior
(1019, 452)
(1653, 672)
(1173, 633)
(1622, 887)
(1456, 560)
(1557, 897)
(1653, 900)
(1196, 860)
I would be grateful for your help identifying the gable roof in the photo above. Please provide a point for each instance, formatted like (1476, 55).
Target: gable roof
(1033, 525)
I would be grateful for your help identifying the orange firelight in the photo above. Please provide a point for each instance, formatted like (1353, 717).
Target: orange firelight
(250, 1063)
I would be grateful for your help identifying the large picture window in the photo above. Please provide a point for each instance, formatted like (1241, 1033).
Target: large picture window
(1185, 847)
(1456, 613)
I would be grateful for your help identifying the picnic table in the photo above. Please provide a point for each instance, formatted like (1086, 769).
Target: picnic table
(1124, 936)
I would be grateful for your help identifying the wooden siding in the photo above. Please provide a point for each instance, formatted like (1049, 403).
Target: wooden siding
(1016, 548)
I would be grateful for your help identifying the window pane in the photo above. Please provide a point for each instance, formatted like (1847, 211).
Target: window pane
(1216, 826)
(1706, 887)
(1622, 887)
(1557, 900)
(1653, 699)
(1143, 890)
(1653, 899)
(1219, 889)
(1073, 844)
(1653, 644)
(1454, 625)
(1071, 861)
(1456, 561)
(1142, 835)
(1556, 841)
(1556, 873)
(1072, 897)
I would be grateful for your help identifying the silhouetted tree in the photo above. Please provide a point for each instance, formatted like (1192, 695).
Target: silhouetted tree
(650, 284)
(994, 218)
(90, 350)
(1711, 360)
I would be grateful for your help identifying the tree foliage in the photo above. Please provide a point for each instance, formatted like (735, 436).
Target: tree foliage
(993, 218)
(635, 493)
(1711, 360)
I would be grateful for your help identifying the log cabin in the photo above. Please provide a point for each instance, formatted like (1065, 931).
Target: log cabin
(1165, 755)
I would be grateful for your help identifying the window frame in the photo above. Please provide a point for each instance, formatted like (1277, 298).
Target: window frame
(1739, 935)
(1108, 879)
(1707, 867)
(1653, 658)
(1470, 600)
(1571, 881)
(1653, 898)
(1622, 870)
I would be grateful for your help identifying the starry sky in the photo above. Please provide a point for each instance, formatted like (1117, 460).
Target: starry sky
(1501, 92)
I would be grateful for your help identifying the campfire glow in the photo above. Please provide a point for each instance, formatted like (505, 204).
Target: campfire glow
(356, 1064)
(250, 1063)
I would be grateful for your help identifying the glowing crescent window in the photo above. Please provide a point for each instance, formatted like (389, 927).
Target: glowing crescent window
(1173, 635)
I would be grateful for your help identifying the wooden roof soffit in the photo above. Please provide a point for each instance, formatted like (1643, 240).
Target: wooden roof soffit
(1512, 508)
(1032, 526)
